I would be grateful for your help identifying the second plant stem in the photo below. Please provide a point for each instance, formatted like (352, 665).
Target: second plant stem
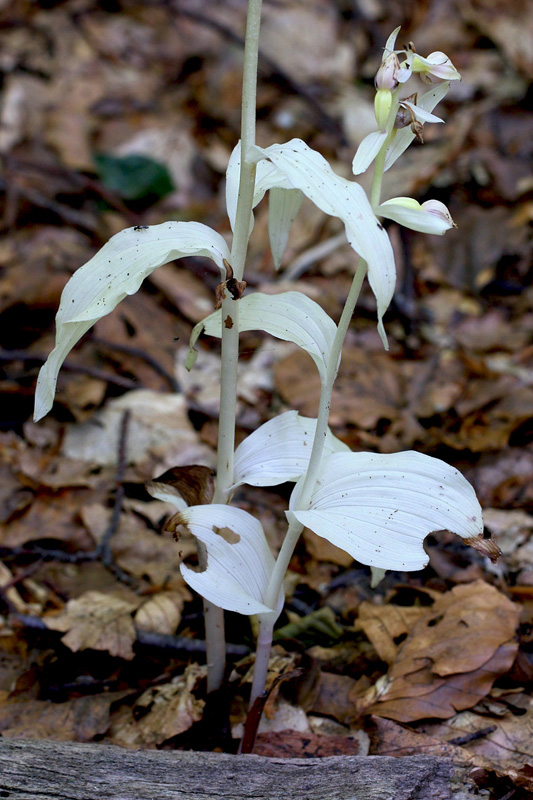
(267, 621)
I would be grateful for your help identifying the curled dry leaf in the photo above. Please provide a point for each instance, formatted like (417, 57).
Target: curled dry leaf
(451, 657)
(161, 613)
(97, 621)
(195, 483)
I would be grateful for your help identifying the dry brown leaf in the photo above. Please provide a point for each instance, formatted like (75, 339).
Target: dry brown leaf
(162, 712)
(161, 613)
(331, 697)
(159, 431)
(382, 625)
(294, 744)
(507, 747)
(451, 656)
(97, 621)
(322, 550)
(78, 720)
(390, 739)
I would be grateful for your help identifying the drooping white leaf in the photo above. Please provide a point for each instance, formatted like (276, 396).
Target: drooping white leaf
(308, 171)
(405, 136)
(367, 151)
(279, 450)
(117, 270)
(237, 574)
(415, 216)
(379, 508)
(290, 316)
(283, 206)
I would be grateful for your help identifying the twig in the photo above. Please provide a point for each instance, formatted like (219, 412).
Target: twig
(136, 352)
(324, 120)
(162, 641)
(98, 374)
(474, 736)
(83, 182)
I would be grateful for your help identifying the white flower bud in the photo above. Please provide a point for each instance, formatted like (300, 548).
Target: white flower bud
(387, 74)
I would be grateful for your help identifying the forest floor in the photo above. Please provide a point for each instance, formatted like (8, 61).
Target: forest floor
(121, 113)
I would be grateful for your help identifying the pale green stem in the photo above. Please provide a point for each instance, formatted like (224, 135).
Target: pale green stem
(214, 616)
(295, 528)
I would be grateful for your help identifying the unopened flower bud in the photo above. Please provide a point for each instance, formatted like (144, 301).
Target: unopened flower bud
(382, 107)
(439, 210)
(387, 74)
(436, 68)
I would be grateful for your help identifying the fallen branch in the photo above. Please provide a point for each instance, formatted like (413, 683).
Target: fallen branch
(72, 771)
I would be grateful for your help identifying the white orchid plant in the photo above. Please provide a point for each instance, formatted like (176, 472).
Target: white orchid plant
(378, 508)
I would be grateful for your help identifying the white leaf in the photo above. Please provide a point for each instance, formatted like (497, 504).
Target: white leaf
(279, 450)
(405, 136)
(307, 170)
(290, 316)
(237, 574)
(415, 216)
(117, 270)
(283, 206)
(367, 151)
(379, 508)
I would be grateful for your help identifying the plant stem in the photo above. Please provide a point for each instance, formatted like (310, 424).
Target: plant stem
(295, 528)
(214, 616)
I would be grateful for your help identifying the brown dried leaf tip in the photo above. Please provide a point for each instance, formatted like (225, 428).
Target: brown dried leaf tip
(234, 287)
(195, 483)
(487, 547)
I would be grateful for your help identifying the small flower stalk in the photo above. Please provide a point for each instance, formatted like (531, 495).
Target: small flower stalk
(379, 508)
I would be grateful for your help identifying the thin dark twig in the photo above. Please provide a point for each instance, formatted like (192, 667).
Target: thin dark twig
(136, 352)
(474, 736)
(324, 119)
(162, 641)
(82, 181)
(27, 357)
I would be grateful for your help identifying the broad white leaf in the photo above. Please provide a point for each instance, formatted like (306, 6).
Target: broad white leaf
(279, 450)
(290, 316)
(237, 574)
(117, 270)
(283, 206)
(414, 216)
(379, 508)
(307, 170)
(405, 136)
(367, 151)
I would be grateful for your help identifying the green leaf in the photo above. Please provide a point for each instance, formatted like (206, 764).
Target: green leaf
(134, 177)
